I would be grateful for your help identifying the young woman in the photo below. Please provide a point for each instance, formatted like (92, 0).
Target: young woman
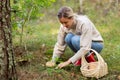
(77, 32)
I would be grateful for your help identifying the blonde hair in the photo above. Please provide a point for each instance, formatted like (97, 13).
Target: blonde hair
(65, 12)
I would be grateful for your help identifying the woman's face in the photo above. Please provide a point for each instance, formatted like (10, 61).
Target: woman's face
(66, 22)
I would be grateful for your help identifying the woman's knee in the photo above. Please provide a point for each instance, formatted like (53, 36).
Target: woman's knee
(76, 42)
(68, 38)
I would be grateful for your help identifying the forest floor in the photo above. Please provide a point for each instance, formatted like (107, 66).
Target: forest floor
(33, 68)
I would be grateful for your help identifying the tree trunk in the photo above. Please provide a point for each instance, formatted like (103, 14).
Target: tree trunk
(80, 7)
(8, 71)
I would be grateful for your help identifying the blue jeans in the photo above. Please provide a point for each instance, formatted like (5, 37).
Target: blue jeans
(73, 41)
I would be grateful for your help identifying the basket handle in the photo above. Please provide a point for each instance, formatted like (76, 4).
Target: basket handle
(98, 56)
(100, 59)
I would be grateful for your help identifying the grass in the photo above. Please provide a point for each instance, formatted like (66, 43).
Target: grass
(46, 33)
(41, 42)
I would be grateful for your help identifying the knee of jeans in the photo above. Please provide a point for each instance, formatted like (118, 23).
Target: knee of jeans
(68, 38)
(75, 41)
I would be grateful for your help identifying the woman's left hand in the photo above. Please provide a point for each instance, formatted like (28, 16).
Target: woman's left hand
(63, 64)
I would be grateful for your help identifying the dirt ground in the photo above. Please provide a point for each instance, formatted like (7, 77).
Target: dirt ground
(33, 68)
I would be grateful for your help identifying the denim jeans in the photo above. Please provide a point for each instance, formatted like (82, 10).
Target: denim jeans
(73, 41)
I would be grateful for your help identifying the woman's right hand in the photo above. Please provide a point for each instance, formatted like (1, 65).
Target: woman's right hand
(50, 64)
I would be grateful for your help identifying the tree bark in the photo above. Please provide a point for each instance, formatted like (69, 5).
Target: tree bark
(80, 6)
(8, 70)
